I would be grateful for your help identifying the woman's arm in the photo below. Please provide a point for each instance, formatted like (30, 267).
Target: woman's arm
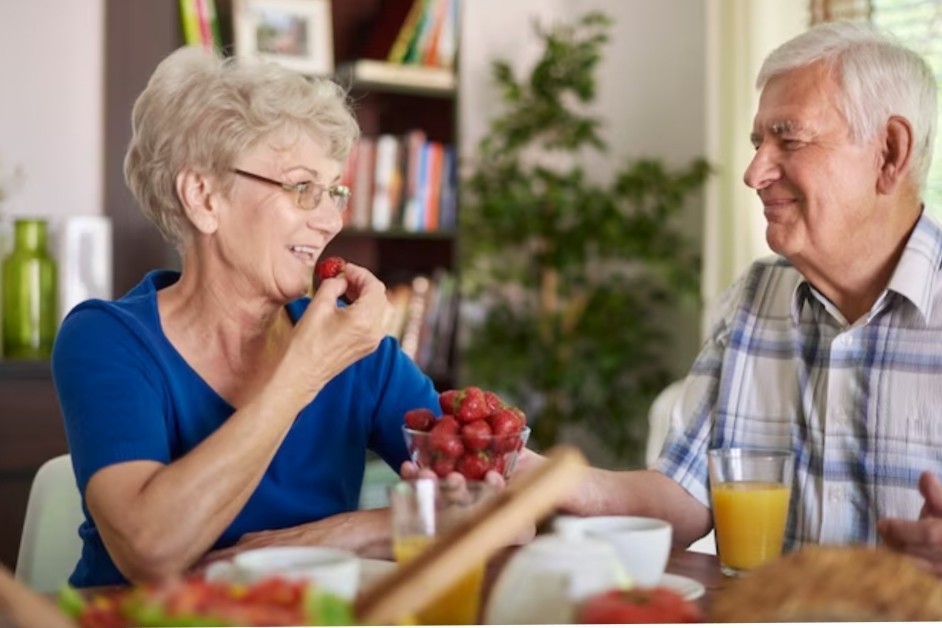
(157, 518)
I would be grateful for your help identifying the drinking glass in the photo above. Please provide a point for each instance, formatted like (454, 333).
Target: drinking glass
(422, 510)
(750, 492)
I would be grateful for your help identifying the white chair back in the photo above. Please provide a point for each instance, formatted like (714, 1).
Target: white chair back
(659, 422)
(50, 545)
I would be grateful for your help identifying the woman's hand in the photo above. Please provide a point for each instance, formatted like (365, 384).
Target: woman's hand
(329, 338)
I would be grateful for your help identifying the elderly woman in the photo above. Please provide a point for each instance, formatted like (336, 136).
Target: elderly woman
(220, 406)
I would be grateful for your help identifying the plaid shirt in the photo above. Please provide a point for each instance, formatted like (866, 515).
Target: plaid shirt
(860, 404)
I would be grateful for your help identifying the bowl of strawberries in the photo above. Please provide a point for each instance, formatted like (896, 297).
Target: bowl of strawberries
(472, 432)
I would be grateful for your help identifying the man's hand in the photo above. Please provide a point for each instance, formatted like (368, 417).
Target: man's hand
(921, 539)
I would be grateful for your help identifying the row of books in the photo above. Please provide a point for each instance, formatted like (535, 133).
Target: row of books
(416, 32)
(423, 319)
(402, 182)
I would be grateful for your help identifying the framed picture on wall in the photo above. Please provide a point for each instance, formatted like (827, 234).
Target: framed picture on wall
(298, 34)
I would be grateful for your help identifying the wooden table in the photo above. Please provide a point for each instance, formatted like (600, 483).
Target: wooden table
(704, 568)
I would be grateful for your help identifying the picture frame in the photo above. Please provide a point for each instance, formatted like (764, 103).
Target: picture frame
(297, 34)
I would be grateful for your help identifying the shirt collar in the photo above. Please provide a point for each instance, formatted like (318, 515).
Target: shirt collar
(913, 278)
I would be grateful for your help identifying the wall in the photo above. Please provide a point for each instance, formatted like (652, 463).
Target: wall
(651, 91)
(51, 69)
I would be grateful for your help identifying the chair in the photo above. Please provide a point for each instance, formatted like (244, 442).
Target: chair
(377, 477)
(659, 421)
(50, 545)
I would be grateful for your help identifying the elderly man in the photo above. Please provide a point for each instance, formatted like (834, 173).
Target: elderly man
(833, 348)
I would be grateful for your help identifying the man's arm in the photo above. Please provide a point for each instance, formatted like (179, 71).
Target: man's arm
(645, 493)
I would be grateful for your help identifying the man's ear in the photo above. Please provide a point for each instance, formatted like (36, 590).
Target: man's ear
(895, 155)
(195, 191)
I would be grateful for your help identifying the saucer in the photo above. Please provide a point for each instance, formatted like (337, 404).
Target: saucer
(687, 587)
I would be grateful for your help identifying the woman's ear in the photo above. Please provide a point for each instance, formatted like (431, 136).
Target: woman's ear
(896, 155)
(195, 191)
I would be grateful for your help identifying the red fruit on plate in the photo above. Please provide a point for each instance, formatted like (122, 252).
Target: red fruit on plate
(447, 401)
(473, 465)
(658, 605)
(421, 419)
(472, 405)
(476, 435)
(328, 268)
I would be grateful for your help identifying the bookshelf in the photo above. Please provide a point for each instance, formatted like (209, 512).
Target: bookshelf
(396, 101)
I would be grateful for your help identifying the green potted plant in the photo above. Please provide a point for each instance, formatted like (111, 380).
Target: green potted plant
(572, 277)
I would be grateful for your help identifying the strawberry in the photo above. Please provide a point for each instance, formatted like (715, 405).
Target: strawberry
(328, 268)
(473, 466)
(447, 401)
(421, 419)
(443, 466)
(506, 422)
(443, 439)
(476, 435)
(448, 423)
(472, 405)
(506, 426)
(494, 403)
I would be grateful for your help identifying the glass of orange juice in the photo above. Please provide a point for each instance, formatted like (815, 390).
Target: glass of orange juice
(423, 509)
(750, 493)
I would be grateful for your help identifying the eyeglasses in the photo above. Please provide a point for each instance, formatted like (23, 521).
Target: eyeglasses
(310, 194)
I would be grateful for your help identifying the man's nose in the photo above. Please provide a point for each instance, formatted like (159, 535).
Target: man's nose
(763, 169)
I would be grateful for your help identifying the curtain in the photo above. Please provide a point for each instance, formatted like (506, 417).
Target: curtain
(740, 33)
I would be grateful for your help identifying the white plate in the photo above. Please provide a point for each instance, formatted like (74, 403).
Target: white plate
(687, 587)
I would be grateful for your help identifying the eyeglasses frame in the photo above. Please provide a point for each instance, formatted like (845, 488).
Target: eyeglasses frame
(336, 191)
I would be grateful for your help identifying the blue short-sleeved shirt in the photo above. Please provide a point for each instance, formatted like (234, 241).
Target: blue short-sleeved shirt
(126, 394)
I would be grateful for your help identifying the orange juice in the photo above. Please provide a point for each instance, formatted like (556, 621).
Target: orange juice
(457, 605)
(749, 518)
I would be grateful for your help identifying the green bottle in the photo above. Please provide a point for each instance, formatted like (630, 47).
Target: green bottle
(29, 293)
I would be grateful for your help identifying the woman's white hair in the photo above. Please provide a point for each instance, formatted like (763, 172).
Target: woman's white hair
(879, 77)
(201, 111)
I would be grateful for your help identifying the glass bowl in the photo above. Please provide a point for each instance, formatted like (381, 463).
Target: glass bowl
(471, 456)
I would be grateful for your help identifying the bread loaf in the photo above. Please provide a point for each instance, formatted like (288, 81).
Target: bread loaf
(819, 583)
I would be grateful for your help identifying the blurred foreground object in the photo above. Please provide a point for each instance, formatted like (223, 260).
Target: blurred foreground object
(833, 584)
(25, 608)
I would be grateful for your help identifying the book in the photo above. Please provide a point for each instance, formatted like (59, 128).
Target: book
(397, 53)
(415, 316)
(362, 199)
(200, 25)
(386, 181)
(414, 141)
(393, 75)
(390, 19)
(448, 200)
(422, 34)
(394, 322)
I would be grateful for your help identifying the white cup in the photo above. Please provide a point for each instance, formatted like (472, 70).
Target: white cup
(643, 544)
(332, 570)
(544, 582)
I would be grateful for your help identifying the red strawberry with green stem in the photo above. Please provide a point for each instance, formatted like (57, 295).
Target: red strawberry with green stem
(472, 405)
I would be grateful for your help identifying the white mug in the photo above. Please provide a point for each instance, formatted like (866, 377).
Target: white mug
(544, 582)
(332, 570)
(643, 544)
